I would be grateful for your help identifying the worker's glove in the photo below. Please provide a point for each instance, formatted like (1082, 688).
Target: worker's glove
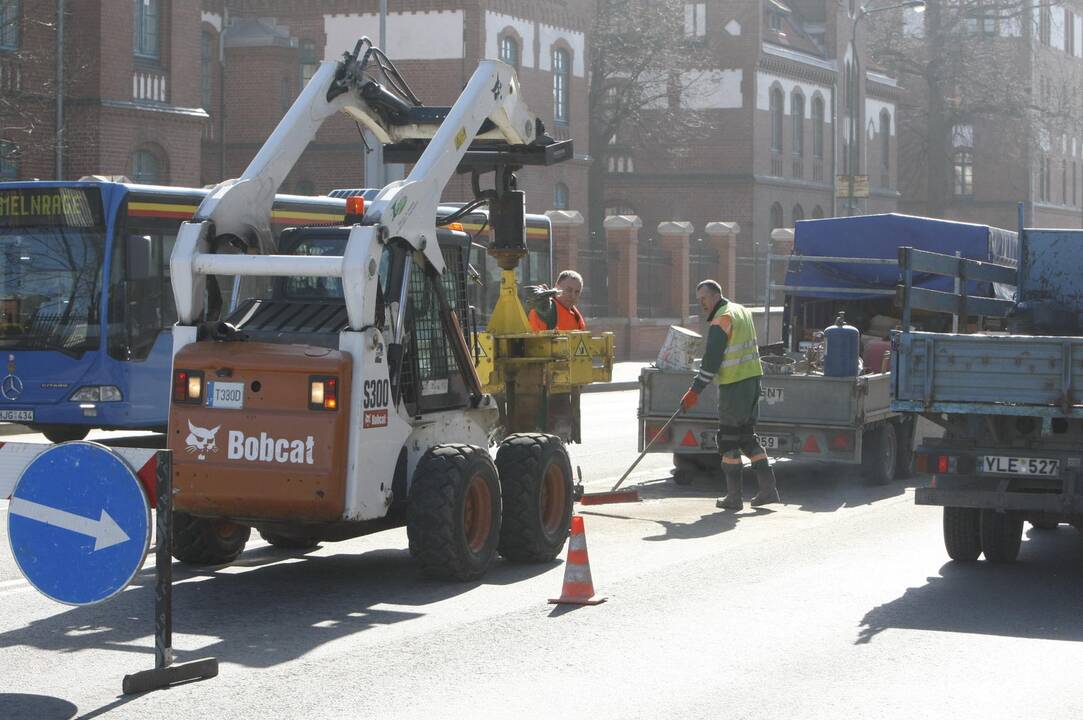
(689, 400)
(536, 294)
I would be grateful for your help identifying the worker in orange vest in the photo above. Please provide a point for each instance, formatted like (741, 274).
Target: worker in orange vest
(555, 308)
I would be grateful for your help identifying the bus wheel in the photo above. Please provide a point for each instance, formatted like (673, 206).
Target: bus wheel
(64, 433)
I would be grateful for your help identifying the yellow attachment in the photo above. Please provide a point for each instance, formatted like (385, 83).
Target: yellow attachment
(508, 316)
(565, 359)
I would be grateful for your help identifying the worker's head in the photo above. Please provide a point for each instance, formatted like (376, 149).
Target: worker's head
(570, 285)
(708, 293)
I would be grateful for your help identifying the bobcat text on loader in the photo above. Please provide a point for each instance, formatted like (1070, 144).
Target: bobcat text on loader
(341, 398)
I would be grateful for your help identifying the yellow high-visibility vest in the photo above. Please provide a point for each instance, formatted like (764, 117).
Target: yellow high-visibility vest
(741, 359)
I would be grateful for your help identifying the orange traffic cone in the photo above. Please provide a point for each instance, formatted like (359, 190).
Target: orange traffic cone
(578, 586)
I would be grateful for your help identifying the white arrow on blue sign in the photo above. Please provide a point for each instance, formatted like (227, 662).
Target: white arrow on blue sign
(79, 523)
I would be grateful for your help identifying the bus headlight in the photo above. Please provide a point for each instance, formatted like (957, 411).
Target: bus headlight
(97, 393)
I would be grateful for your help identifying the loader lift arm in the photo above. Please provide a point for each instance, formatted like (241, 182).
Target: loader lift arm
(488, 126)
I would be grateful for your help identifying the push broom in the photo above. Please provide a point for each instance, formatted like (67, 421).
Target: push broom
(631, 495)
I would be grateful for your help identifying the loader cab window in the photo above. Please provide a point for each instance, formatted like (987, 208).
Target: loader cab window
(317, 288)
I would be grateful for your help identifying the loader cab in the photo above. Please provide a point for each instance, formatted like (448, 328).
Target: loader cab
(312, 311)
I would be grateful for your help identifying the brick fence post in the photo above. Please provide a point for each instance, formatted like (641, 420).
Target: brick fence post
(674, 240)
(568, 228)
(622, 241)
(781, 244)
(724, 236)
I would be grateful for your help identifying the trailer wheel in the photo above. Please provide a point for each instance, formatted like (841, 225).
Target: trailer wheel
(687, 466)
(536, 492)
(289, 542)
(878, 453)
(1001, 535)
(962, 533)
(206, 541)
(64, 433)
(904, 455)
(453, 517)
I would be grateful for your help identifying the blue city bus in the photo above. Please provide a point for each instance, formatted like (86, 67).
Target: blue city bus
(86, 304)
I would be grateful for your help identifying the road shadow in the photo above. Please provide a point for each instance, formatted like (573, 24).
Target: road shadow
(1037, 597)
(38, 707)
(278, 608)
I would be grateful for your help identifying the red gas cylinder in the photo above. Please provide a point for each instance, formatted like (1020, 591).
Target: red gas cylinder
(877, 357)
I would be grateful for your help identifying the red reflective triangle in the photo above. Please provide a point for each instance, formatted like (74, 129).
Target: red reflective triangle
(811, 446)
(689, 440)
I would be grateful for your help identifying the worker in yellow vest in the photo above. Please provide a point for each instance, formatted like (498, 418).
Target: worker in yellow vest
(732, 361)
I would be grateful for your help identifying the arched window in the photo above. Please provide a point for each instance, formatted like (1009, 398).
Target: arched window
(9, 167)
(797, 113)
(146, 168)
(817, 213)
(962, 162)
(206, 68)
(146, 28)
(509, 49)
(560, 196)
(776, 216)
(776, 119)
(798, 212)
(561, 67)
(9, 25)
(309, 62)
(818, 127)
(885, 139)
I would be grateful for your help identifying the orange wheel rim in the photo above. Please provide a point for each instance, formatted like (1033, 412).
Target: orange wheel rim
(552, 501)
(477, 514)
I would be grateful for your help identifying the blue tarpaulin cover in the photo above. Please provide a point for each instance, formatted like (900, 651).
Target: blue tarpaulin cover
(881, 236)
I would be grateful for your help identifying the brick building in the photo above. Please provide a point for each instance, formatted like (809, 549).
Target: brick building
(776, 98)
(272, 46)
(129, 98)
(1009, 125)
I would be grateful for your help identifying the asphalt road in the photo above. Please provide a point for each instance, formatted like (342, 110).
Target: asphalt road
(838, 604)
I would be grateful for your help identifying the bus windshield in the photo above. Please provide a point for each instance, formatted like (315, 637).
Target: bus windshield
(52, 246)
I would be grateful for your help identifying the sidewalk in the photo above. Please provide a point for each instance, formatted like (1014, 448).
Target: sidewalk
(625, 377)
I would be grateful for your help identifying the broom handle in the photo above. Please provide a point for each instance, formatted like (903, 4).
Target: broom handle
(645, 450)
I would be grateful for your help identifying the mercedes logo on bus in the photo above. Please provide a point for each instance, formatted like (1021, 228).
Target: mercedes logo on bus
(11, 387)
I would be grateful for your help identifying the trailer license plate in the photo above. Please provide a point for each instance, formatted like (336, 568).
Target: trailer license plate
(1001, 465)
(227, 395)
(16, 416)
(770, 442)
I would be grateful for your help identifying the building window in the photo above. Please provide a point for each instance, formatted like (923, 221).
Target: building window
(146, 168)
(1075, 184)
(695, 20)
(146, 28)
(286, 94)
(309, 63)
(509, 50)
(817, 128)
(560, 85)
(817, 213)
(306, 187)
(963, 173)
(1045, 24)
(206, 67)
(776, 216)
(885, 139)
(9, 168)
(776, 120)
(9, 24)
(560, 196)
(1064, 182)
(797, 114)
(776, 21)
(798, 213)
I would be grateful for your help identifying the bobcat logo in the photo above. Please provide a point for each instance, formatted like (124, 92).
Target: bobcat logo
(201, 440)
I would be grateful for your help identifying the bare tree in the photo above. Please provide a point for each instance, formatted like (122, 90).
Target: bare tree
(972, 63)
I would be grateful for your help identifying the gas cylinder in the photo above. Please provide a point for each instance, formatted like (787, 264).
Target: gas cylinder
(843, 349)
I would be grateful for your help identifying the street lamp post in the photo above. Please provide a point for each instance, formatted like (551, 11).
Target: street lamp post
(853, 90)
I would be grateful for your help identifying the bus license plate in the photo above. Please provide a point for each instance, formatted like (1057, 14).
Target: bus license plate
(770, 442)
(16, 416)
(1002, 465)
(227, 395)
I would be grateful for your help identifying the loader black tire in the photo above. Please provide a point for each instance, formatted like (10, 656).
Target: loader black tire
(962, 533)
(289, 542)
(878, 453)
(536, 491)
(207, 541)
(453, 516)
(1001, 535)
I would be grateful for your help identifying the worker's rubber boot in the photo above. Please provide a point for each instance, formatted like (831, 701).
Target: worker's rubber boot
(765, 478)
(732, 500)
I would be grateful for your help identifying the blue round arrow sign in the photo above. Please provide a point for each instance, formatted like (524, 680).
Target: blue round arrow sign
(79, 523)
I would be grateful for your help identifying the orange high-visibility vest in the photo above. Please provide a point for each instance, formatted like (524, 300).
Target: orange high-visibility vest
(566, 319)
